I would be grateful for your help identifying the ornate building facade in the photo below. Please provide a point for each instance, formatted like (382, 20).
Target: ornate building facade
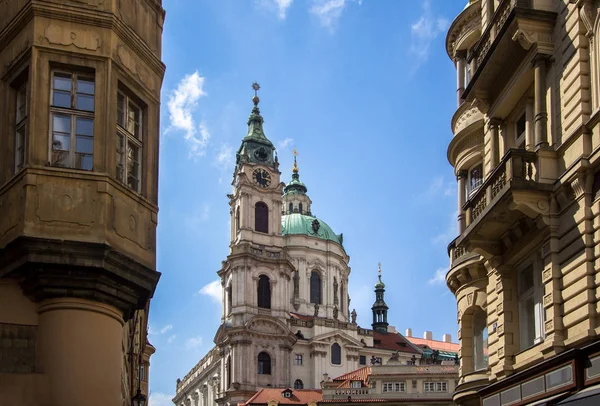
(286, 319)
(524, 267)
(79, 110)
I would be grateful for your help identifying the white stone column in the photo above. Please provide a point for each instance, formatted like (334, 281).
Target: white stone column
(461, 59)
(461, 180)
(529, 126)
(541, 113)
(494, 126)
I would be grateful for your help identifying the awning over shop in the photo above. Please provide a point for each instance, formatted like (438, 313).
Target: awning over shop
(586, 397)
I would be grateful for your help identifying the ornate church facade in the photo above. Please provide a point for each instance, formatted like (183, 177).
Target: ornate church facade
(286, 319)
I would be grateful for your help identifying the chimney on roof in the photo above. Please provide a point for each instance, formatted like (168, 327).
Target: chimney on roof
(409, 332)
(427, 335)
(447, 338)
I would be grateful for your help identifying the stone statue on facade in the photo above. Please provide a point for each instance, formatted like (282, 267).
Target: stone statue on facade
(395, 356)
(335, 312)
(335, 291)
(316, 310)
(353, 315)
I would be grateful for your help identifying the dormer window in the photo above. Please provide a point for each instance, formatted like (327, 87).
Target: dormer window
(356, 384)
(287, 393)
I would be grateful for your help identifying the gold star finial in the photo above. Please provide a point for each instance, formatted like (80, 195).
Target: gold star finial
(295, 168)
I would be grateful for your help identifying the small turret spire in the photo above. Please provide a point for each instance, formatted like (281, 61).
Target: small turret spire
(295, 168)
(380, 308)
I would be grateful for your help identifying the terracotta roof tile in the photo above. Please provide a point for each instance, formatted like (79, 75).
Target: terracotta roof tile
(386, 400)
(299, 396)
(435, 344)
(361, 374)
(301, 316)
(392, 341)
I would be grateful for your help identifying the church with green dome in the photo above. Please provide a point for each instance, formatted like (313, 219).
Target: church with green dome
(286, 320)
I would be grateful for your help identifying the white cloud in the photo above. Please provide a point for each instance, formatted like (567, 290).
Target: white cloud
(281, 145)
(282, 6)
(163, 330)
(279, 7)
(212, 290)
(193, 343)
(160, 399)
(225, 158)
(439, 276)
(171, 339)
(424, 31)
(199, 216)
(329, 11)
(450, 233)
(166, 328)
(182, 104)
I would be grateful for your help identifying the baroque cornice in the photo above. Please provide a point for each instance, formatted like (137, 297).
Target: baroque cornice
(93, 18)
(467, 21)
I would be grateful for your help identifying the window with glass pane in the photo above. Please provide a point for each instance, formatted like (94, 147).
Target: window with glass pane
(72, 120)
(20, 127)
(530, 307)
(480, 339)
(129, 141)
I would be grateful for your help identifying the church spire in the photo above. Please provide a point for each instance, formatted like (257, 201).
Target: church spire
(379, 308)
(255, 147)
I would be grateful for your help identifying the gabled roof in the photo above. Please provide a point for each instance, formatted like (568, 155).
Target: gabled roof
(361, 374)
(299, 396)
(394, 341)
(301, 316)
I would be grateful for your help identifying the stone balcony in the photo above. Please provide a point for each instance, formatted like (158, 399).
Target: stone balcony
(504, 208)
(516, 27)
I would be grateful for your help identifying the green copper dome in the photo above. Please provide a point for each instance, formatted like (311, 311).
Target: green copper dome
(380, 284)
(297, 223)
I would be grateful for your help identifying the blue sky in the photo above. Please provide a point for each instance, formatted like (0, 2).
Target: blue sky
(364, 91)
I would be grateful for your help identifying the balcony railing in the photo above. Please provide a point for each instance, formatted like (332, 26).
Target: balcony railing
(517, 167)
(492, 31)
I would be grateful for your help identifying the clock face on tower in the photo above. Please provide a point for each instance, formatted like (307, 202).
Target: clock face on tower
(261, 177)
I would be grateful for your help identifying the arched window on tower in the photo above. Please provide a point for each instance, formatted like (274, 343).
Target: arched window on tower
(228, 371)
(300, 208)
(237, 219)
(298, 384)
(315, 287)
(291, 208)
(261, 217)
(336, 354)
(264, 292)
(264, 364)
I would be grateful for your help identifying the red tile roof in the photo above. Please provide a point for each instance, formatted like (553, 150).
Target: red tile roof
(301, 316)
(360, 374)
(435, 344)
(392, 341)
(299, 396)
(386, 400)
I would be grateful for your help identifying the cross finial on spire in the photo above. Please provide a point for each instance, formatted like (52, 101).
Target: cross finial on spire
(256, 88)
(379, 268)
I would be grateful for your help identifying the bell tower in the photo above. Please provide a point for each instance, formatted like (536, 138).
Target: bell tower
(254, 339)
(380, 308)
